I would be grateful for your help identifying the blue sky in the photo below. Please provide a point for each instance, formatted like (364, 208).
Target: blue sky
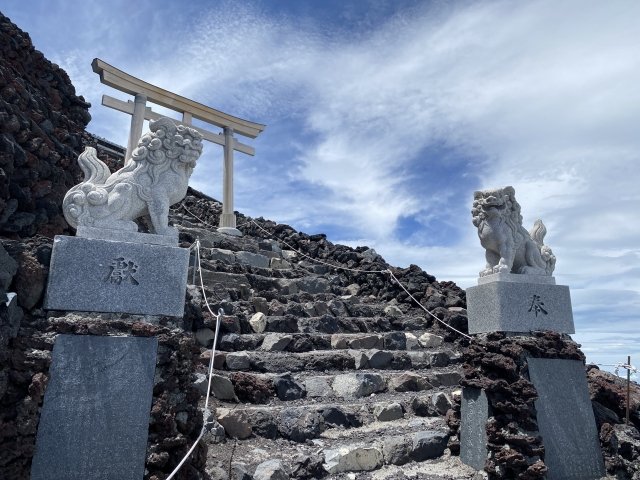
(383, 117)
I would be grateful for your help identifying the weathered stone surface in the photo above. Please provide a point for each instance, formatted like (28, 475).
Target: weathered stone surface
(97, 384)
(8, 268)
(379, 358)
(428, 445)
(252, 388)
(274, 342)
(103, 276)
(395, 341)
(387, 413)
(270, 470)
(313, 285)
(392, 311)
(565, 419)
(258, 321)
(448, 379)
(201, 383)
(280, 264)
(473, 435)
(430, 340)
(360, 358)
(396, 450)
(235, 422)
(366, 342)
(409, 382)
(260, 305)
(441, 402)
(29, 281)
(205, 336)
(299, 424)
(221, 255)
(412, 342)
(222, 388)
(519, 307)
(287, 388)
(352, 458)
(357, 384)
(253, 259)
(339, 341)
(318, 387)
(237, 361)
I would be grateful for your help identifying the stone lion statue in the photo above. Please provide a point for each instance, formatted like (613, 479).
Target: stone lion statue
(509, 247)
(153, 178)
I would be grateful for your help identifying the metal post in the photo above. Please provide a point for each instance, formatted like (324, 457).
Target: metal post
(137, 122)
(228, 218)
(628, 387)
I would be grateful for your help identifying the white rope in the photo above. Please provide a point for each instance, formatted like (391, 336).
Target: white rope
(217, 316)
(425, 309)
(617, 366)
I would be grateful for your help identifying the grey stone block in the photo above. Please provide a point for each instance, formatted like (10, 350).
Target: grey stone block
(473, 434)
(517, 278)
(506, 306)
(94, 233)
(429, 444)
(565, 419)
(95, 418)
(105, 276)
(253, 259)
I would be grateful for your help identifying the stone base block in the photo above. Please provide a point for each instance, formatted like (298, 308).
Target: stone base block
(565, 420)
(94, 423)
(508, 306)
(106, 276)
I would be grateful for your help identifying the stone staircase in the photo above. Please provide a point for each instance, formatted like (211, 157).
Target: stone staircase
(320, 372)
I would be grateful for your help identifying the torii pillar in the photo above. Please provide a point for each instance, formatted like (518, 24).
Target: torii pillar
(143, 92)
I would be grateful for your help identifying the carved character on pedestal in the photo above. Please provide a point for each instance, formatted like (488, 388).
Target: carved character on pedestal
(509, 247)
(154, 178)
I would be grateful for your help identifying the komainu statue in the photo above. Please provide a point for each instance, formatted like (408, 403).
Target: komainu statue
(153, 178)
(509, 247)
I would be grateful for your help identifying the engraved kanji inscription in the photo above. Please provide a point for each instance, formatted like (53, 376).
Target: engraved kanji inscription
(537, 306)
(122, 271)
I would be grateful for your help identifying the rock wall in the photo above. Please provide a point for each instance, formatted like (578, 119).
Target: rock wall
(496, 363)
(42, 123)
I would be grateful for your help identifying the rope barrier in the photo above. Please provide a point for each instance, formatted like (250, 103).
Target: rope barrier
(617, 366)
(206, 425)
(386, 271)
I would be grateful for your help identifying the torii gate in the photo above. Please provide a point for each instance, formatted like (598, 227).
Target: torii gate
(143, 92)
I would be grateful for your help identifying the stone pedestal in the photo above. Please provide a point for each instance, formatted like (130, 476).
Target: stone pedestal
(519, 303)
(95, 418)
(87, 274)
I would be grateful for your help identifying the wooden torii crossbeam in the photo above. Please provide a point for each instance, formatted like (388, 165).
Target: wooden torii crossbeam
(144, 92)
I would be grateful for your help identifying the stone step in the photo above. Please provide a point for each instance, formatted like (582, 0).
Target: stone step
(274, 361)
(330, 324)
(303, 423)
(281, 458)
(303, 342)
(303, 387)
